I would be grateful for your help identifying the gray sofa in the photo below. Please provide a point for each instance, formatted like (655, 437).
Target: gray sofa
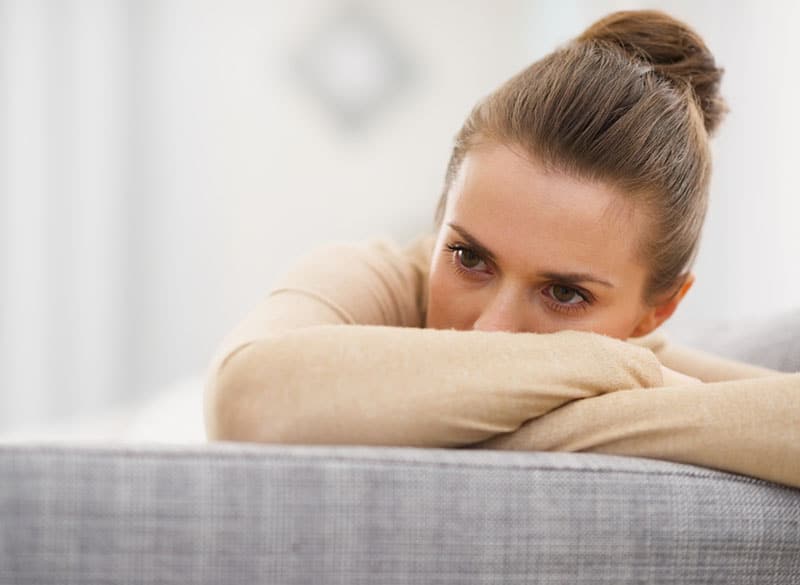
(275, 514)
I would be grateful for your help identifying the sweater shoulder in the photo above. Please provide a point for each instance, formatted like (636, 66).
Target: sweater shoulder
(371, 282)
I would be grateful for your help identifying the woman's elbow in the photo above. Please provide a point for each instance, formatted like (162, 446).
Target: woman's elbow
(237, 401)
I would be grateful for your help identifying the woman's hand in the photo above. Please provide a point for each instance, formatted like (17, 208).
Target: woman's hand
(674, 378)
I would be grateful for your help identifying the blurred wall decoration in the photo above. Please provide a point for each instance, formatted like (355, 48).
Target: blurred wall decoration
(162, 161)
(354, 65)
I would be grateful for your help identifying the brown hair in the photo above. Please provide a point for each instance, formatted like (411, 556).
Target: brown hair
(632, 102)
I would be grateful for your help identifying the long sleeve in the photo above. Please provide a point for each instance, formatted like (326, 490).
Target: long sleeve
(696, 363)
(353, 384)
(750, 427)
(336, 354)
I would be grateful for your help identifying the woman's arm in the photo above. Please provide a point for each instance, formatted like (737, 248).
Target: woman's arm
(698, 364)
(708, 367)
(333, 356)
(365, 384)
(749, 426)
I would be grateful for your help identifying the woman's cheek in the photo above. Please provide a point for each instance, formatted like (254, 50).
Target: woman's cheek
(448, 301)
(437, 299)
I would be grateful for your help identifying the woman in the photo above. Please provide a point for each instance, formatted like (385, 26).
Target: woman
(570, 218)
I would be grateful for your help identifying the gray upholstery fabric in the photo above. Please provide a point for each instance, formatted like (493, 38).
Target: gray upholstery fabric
(248, 514)
(772, 343)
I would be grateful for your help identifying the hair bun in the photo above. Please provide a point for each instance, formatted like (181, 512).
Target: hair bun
(673, 49)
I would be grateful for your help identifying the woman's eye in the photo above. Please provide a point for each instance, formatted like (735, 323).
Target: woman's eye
(464, 258)
(565, 294)
(468, 258)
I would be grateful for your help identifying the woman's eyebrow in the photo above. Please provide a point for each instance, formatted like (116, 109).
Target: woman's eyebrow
(564, 277)
(574, 278)
(473, 241)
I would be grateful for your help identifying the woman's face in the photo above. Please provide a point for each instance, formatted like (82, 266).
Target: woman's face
(523, 250)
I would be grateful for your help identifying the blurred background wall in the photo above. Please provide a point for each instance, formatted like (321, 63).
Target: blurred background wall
(162, 161)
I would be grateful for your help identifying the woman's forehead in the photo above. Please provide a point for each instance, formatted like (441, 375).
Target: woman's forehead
(513, 205)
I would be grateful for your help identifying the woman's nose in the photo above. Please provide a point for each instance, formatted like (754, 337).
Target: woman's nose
(504, 312)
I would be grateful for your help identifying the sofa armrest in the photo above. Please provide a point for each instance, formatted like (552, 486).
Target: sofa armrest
(240, 513)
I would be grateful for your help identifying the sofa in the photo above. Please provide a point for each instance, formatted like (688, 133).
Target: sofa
(125, 512)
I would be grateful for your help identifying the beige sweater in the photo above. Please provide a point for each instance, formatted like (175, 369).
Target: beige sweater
(337, 353)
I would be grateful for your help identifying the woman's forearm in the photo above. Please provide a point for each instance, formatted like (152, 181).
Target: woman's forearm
(356, 384)
(708, 367)
(748, 426)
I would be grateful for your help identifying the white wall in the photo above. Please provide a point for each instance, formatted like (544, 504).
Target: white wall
(161, 164)
(110, 255)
